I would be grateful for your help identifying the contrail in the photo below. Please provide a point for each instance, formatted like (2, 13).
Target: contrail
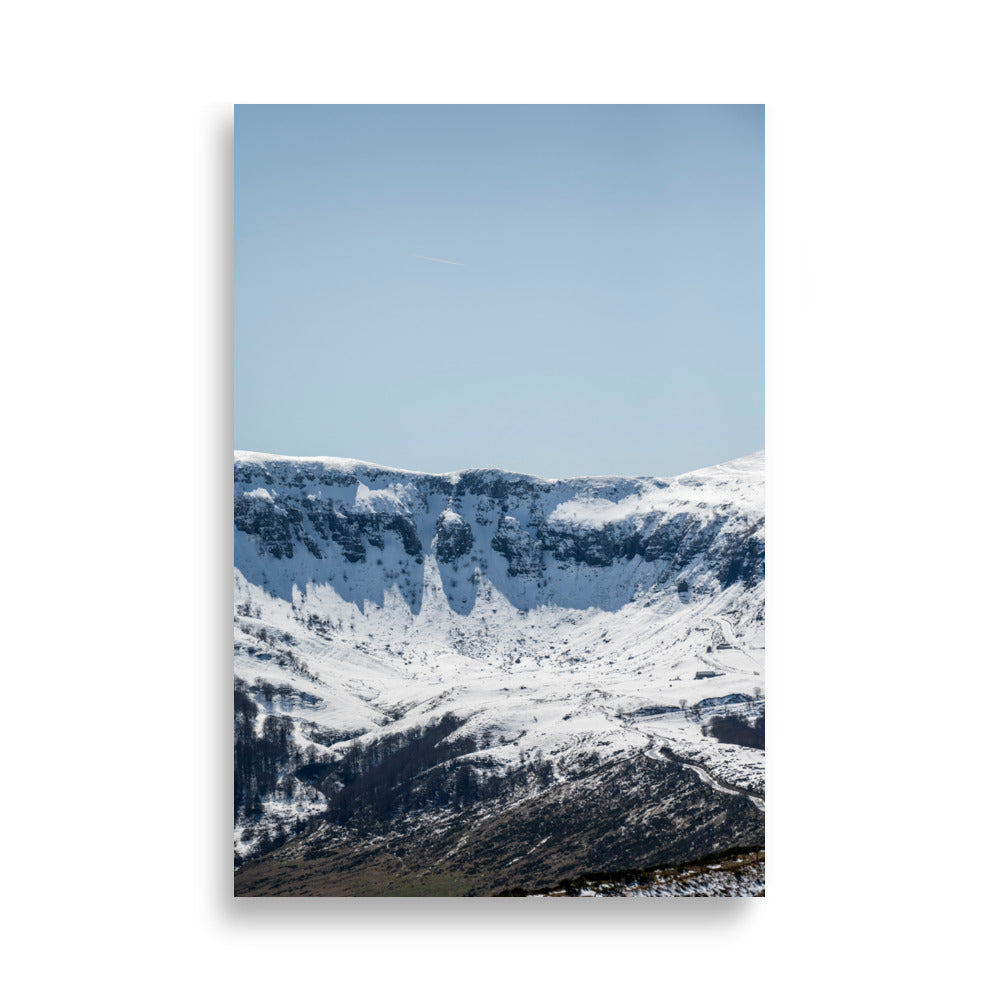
(438, 260)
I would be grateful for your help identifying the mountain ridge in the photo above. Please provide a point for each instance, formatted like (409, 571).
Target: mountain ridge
(351, 465)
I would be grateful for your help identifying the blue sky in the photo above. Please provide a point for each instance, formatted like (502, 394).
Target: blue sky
(603, 314)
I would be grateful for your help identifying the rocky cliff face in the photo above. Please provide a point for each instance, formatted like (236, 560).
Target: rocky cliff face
(307, 519)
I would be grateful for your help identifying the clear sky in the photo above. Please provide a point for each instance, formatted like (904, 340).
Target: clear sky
(559, 290)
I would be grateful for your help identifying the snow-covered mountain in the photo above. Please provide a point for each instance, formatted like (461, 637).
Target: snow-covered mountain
(424, 658)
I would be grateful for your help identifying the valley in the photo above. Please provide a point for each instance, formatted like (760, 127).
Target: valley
(457, 684)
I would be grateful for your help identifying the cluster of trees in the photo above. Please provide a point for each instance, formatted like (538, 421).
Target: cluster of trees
(380, 779)
(283, 692)
(321, 626)
(371, 784)
(278, 642)
(736, 730)
(412, 772)
(267, 636)
(258, 761)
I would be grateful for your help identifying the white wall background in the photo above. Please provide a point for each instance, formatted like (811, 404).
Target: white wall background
(116, 405)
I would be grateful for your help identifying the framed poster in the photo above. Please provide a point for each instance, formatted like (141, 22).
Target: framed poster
(536, 665)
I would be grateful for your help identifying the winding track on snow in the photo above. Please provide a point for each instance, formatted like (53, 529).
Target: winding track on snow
(655, 750)
(703, 772)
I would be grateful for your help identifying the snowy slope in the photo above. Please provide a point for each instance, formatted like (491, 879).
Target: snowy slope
(565, 621)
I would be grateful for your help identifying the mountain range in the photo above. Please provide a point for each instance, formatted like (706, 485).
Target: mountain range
(465, 683)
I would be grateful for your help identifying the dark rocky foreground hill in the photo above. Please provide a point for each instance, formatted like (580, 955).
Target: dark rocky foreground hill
(633, 814)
